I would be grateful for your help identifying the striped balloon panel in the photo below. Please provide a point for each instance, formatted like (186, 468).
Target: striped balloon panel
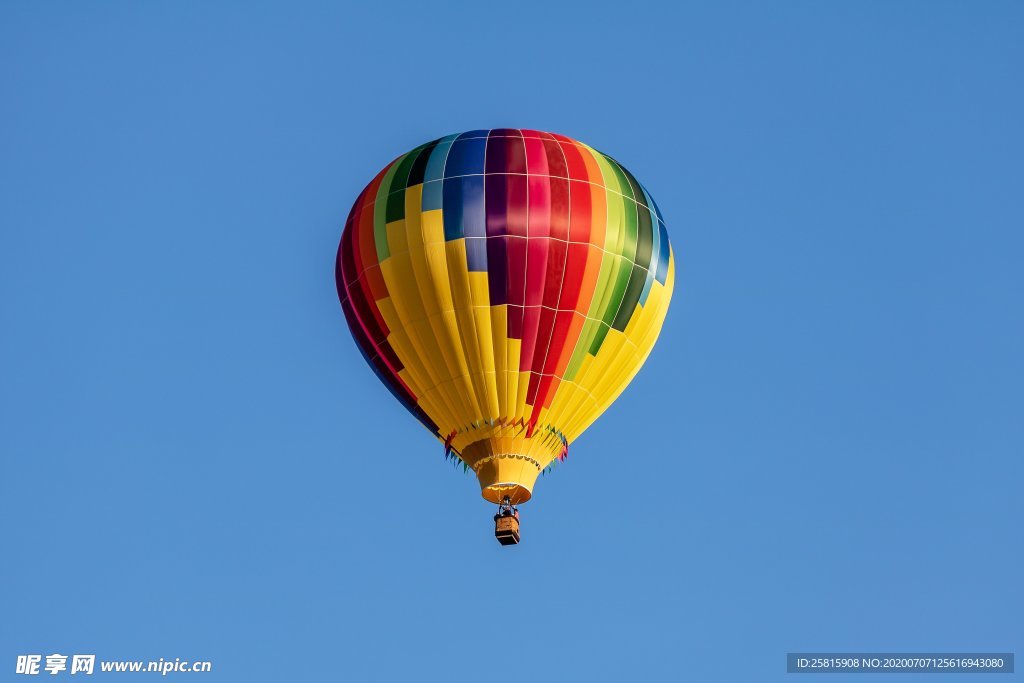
(505, 280)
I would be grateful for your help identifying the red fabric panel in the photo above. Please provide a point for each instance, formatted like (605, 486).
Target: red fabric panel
(536, 157)
(531, 318)
(536, 271)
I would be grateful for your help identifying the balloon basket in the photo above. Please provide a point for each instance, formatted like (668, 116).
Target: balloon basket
(506, 530)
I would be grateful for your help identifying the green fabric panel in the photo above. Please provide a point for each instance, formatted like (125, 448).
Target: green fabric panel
(630, 298)
(396, 195)
(611, 290)
(617, 290)
(626, 246)
(629, 204)
(380, 232)
(601, 289)
(581, 350)
(602, 332)
(647, 222)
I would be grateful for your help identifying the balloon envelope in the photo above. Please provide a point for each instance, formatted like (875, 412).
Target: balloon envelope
(506, 286)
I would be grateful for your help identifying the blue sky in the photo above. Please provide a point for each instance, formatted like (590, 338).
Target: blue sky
(823, 452)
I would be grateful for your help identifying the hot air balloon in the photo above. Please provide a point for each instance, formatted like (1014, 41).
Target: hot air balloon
(505, 285)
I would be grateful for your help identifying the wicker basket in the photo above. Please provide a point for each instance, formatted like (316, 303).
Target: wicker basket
(506, 530)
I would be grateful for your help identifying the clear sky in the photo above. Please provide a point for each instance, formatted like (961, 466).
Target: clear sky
(823, 453)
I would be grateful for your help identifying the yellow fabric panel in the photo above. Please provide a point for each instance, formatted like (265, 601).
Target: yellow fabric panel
(462, 382)
(591, 368)
(431, 282)
(425, 361)
(512, 348)
(434, 338)
(458, 279)
(424, 329)
(499, 344)
(396, 237)
(647, 329)
(480, 289)
(601, 372)
(524, 385)
(482, 317)
(419, 377)
(570, 398)
(432, 227)
(436, 278)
